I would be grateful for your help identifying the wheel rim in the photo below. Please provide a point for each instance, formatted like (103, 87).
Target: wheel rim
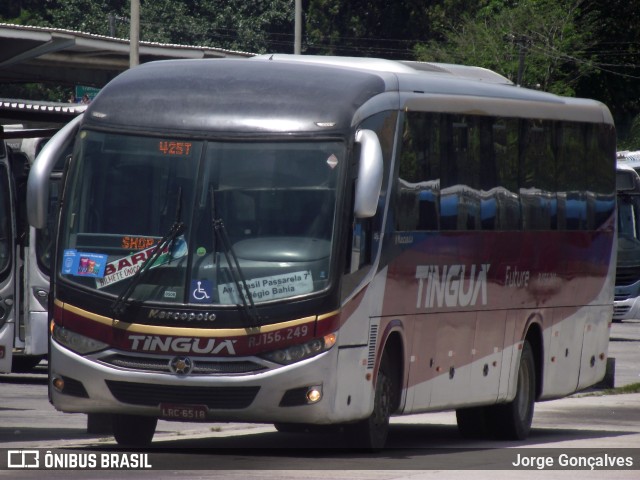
(382, 410)
(524, 391)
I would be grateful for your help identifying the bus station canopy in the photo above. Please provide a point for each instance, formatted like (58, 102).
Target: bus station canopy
(30, 112)
(39, 54)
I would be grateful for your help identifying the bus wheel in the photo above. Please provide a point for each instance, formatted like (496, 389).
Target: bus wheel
(371, 433)
(134, 430)
(472, 422)
(100, 423)
(291, 427)
(25, 364)
(512, 421)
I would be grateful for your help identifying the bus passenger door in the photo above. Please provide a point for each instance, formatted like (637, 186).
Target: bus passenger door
(7, 263)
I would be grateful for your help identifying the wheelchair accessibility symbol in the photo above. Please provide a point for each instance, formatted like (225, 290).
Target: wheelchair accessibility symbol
(201, 291)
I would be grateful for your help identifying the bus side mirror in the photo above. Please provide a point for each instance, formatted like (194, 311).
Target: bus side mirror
(39, 175)
(625, 180)
(369, 180)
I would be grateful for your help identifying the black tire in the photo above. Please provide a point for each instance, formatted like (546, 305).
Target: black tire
(100, 423)
(473, 422)
(371, 434)
(291, 427)
(512, 421)
(26, 364)
(134, 430)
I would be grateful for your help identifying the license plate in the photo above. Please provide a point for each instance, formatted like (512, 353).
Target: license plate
(183, 412)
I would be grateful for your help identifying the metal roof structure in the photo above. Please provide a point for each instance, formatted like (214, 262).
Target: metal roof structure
(29, 111)
(40, 54)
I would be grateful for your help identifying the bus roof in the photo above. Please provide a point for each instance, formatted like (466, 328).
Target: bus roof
(629, 158)
(301, 94)
(403, 66)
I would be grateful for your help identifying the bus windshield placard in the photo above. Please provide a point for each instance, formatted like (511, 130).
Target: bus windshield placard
(174, 148)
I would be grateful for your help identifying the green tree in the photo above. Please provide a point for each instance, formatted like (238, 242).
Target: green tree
(247, 25)
(20, 11)
(366, 28)
(91, 16)
(544, 42)
(631, 138)
(589, 48)
(616, 79)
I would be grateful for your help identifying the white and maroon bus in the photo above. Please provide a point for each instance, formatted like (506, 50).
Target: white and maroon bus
(329, 241)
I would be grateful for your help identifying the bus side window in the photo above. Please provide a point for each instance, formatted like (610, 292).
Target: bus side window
(360, 244)
(5, 222)
(365, 232)
(20, 170)
(360, 228)
(417, 198)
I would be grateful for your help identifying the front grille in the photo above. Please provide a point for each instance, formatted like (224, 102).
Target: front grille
(619, 297)
(200, 366)
(627, 276)
(153, 395)
(620, 310)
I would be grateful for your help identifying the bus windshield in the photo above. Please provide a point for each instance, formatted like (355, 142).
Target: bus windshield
(628, 214)
(273, 201)
(44, 238)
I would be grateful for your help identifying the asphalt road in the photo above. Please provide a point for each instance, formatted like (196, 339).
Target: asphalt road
(419, 446)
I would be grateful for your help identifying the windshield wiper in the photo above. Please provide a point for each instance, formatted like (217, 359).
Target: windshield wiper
(220, 232)
(119, 305)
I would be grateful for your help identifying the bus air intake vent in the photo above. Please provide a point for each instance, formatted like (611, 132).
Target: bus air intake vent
(627, 275)
(373, 340)
(151, 395)
(200, 367)
(620, 310)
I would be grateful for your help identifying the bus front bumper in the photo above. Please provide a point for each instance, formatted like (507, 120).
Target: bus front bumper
(626, 303)
(90, 384)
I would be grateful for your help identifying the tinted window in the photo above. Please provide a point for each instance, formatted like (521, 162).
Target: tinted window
(470, 172)
(6, 235)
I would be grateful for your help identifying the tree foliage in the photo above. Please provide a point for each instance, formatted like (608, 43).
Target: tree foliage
(247, 25)
(587, 48)
(366, 28)
(616, 56)
(539, 44)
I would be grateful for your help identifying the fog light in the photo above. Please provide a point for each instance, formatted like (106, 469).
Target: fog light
(301, 396)
(58, 384)
(314, 394)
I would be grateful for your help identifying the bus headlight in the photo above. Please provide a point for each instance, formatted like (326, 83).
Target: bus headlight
(296, 353)
(76, 342)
